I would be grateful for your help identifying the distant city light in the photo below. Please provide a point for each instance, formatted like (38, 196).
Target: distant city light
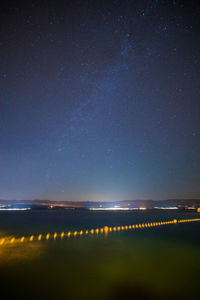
(118, 208)
(168, 207)
(9, 208)
(111, 208)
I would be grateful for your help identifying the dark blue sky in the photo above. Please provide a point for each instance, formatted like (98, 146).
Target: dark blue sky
(100, 100)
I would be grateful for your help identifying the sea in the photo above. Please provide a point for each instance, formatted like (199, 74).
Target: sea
(160, 262)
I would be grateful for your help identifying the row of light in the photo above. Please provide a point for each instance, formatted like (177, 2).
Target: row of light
(188, 220)
(104, 230)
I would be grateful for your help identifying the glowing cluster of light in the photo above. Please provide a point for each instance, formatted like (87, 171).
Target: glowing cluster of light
(116, 207)
(104, 230)
(111, 208)
(14, 208)
(163, 207)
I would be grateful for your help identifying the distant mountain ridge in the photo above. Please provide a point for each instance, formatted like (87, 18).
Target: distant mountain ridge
(95, 204)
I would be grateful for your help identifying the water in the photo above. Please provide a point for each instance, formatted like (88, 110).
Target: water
(150, 263)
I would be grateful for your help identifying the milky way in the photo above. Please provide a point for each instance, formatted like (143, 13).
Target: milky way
(100, 100)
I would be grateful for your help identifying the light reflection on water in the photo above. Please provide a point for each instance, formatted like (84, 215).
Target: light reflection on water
(17, 252)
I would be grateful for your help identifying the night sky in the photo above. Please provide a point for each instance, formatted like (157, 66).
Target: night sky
(100, 100)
